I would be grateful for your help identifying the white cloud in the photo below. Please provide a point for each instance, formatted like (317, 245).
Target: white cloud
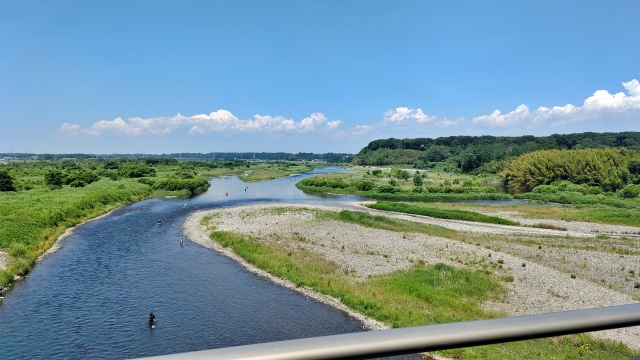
(600, 104)
(217, 121)
(633, 87)
(401, 114)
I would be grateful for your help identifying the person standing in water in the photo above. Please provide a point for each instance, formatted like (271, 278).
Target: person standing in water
(152, 318)
(181, 242)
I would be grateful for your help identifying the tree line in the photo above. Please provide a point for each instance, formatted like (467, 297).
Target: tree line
(475, 154)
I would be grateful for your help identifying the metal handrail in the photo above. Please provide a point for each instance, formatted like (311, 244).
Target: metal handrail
(372, 344)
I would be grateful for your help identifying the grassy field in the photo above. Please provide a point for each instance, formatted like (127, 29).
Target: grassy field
(440, 213)
(424, 294)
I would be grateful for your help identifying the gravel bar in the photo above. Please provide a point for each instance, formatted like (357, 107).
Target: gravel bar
(542, 278)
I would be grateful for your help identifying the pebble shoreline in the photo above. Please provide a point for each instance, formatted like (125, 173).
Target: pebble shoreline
(543, 285)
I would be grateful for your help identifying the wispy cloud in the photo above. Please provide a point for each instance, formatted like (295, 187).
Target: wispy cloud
(218, 121)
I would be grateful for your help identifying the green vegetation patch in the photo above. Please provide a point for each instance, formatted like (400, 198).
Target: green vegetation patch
(440, 213)
(386, 223)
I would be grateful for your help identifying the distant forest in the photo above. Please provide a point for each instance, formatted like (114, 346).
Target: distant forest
(217, 156)
(477, 154)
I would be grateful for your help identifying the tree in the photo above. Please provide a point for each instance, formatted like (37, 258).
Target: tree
(634, 167)
(54, 178)
(417, 179)
(6, 181)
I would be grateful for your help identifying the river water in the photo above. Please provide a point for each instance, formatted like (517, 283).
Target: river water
(92, 298)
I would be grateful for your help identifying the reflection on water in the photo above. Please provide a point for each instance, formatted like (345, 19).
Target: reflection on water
(511, 190)
(91, 299)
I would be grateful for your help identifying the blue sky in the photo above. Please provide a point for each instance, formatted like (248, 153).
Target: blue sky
(320, 76)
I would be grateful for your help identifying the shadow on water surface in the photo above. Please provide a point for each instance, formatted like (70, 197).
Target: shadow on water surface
(92, 298)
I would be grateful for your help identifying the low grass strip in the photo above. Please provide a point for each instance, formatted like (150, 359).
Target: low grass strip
(386, 223)
(425, 294)
(549, 226)
(439, 213)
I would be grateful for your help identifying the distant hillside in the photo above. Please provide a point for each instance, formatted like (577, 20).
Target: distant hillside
(475, 154)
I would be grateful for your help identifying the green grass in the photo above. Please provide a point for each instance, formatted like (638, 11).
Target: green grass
(421, 295)
(386, 223)
(433, 197)
(425, 294)
(576, 198)
(587, 213)
(259, 171)
(406, 196)
(31, 221)
(440, 213)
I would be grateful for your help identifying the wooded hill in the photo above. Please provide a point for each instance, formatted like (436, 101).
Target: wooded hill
(476, 154)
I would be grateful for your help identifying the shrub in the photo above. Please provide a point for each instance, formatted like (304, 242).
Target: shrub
(389, 189)
(136, 170)
(417, 179)
(55, 178)
(316, 181)
(630, 191)
(402, 174)
(147, 181)
(193, 186)
(111, 165)
(6, 181)
(81, 178)
(545, 189)
(363, 185)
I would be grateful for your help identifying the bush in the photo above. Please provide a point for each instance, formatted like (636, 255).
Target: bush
(111, 165)
(417, 179)
(55, 178)
(316, 181)
(193, 186)
(136, 170)
(402, 174)
(81, 178)
(147, 181)
(363, 185)
(388, 189)
(545, 189)
(630, 191)
(6, 181)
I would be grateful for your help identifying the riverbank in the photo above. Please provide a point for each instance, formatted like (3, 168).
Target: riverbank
(538, 278)
(196, 232)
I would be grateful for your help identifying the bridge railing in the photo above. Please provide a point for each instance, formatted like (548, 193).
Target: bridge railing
(371, 344)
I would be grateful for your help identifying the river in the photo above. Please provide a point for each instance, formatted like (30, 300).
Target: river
(92, 298)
